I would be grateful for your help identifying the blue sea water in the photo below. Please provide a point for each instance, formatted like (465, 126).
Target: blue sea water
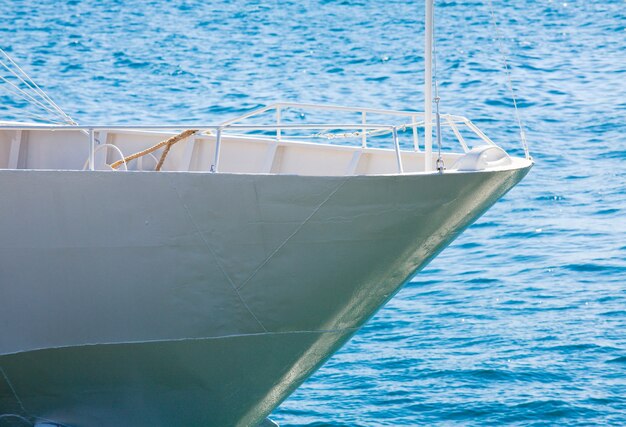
(520, 321)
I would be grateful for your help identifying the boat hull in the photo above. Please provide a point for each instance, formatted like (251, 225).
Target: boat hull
(154, 299)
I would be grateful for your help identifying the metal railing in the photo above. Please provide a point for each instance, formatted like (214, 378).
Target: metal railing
(236, 126)
(416, 121)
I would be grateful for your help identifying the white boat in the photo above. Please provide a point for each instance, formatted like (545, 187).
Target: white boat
(204, 293)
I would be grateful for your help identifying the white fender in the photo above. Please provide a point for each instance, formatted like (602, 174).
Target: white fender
(483, 157)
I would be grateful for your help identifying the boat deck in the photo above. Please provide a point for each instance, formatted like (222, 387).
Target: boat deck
(236, 146)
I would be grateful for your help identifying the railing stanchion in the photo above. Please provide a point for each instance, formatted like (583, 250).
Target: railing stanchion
(92, 149)
(458, 135)
(218, 143)
(364, 137)
(396, 144)
(278, 130)
(416, 143)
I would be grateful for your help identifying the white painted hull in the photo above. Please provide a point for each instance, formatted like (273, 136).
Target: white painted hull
(148, 299)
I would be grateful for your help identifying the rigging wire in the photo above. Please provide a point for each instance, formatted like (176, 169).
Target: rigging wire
(25, 113)
(507, 70)
(440, 165)
(16, 75)
(30, 83)
(25, 95)
(31, 92)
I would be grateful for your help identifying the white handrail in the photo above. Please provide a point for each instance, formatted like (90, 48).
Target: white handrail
(347, 109)
(192, 126)
(235, 127)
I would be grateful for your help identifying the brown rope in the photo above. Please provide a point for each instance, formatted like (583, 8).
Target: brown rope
(167, 144)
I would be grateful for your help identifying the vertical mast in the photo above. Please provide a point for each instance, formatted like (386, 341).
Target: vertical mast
(428, 87)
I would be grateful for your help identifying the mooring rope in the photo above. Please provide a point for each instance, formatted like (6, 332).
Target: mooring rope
(166, 143)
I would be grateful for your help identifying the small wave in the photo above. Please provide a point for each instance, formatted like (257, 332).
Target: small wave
(482, 280)
(377, 79)
(550, 409)
(485, 224)
(607, 211)
(470, 245)
(571, 348)
(617, 154)
(335, 70)
(616, 313)
(593, 267)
